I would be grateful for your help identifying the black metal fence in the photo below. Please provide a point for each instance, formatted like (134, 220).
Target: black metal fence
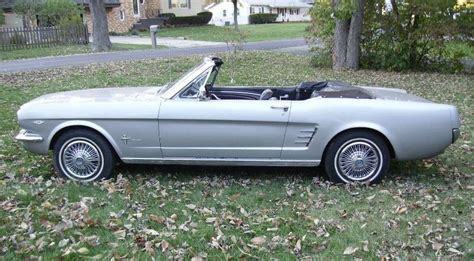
(38, 37)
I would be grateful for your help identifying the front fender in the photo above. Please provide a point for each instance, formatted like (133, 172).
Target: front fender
(88, 124)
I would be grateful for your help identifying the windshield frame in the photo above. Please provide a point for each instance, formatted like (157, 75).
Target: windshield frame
(175, 87)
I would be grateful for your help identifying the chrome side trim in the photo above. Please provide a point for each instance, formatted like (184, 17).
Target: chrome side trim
(24, 135)
(306, 135)
(223, 162)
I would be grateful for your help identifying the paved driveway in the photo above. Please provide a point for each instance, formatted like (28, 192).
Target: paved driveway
(82, 59)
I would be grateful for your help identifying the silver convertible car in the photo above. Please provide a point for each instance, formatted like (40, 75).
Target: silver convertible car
(352, 131)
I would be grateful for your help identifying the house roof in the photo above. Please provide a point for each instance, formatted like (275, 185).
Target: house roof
(279, 3)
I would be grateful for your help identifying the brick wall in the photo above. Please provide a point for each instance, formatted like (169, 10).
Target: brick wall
(113, 15)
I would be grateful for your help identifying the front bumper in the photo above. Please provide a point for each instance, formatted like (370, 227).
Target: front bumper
(27, 136)
(456, 134)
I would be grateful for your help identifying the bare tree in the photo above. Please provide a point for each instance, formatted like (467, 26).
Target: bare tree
(347, 34)
(100, 27)
(236, 10)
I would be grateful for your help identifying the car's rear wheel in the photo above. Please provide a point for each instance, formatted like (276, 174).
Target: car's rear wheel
(83, 155)
(357, 156)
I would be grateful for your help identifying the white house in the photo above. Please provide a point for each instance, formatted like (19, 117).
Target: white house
(287, 10)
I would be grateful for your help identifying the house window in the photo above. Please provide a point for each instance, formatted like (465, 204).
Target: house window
(291, 11)
(252, 10)
(136, 11)
(122, 15)
(224, 13)
(261, 10)
(142, 2)
(297, 11)
(179, 4)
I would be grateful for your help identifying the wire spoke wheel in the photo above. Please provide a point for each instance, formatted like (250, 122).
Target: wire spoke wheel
(358, 160)
(81, 159)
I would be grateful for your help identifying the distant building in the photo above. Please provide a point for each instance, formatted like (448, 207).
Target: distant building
(287, 10)
(122, 15)
(184, 7)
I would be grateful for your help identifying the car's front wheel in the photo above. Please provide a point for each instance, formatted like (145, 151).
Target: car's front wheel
(83, 155)
(357, 156)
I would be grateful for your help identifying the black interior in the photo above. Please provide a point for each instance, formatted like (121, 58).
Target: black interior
(303, 91)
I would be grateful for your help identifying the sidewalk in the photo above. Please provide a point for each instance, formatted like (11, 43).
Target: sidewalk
(165, 41)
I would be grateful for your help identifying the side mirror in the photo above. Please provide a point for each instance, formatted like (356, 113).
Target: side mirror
(202, 94)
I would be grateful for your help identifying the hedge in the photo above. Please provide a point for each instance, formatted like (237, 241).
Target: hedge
(166, 15)
(200, 19)
(262, 18)
(2, 17)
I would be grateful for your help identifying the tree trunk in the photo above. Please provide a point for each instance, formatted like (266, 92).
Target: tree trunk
(353, 41)
(236, 24)
(100, 28)
(340, 43)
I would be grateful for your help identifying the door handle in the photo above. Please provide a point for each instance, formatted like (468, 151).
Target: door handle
(280, 107)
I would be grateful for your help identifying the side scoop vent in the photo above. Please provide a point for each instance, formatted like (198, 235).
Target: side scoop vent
(306, 135)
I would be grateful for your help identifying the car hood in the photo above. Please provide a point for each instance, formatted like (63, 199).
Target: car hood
(98, 95)
(105, 103)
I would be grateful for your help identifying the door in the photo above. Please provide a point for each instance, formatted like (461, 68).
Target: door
(249, 129)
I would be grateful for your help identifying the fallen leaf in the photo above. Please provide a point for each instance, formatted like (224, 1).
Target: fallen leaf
(157, 219)
(164, 245)
(149, 249)
(191, 206)
(244, 212)
(234, 197)
(437, 246)
(298, 246)
(258, 240)
(455, 251)
(211, 220)
(350, 250)
(83, 251)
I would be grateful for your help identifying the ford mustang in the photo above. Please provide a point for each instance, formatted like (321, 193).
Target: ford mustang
(352, 131)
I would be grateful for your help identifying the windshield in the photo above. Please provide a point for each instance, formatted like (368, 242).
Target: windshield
(169, 85)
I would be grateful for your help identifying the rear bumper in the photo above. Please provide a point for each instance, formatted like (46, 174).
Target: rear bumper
(27, 136)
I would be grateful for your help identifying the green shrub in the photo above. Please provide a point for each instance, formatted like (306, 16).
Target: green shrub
(200, 19)
(2, 17)
(205, 16)
(412, 36)
(465, 21)
(166, 15)
(17, 39)
(262, 18)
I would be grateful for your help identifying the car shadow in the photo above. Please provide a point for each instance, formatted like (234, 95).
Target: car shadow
(397, 171)
(244, 172)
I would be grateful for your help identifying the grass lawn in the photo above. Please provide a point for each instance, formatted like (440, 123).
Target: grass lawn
(253, 33)
(422, 210)
(461, 49)
(62, 50)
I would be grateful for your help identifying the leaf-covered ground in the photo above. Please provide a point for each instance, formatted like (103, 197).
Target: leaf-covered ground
(423, 209)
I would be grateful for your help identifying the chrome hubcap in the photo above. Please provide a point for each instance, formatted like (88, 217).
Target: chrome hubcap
(358, 159)
(81, 159)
